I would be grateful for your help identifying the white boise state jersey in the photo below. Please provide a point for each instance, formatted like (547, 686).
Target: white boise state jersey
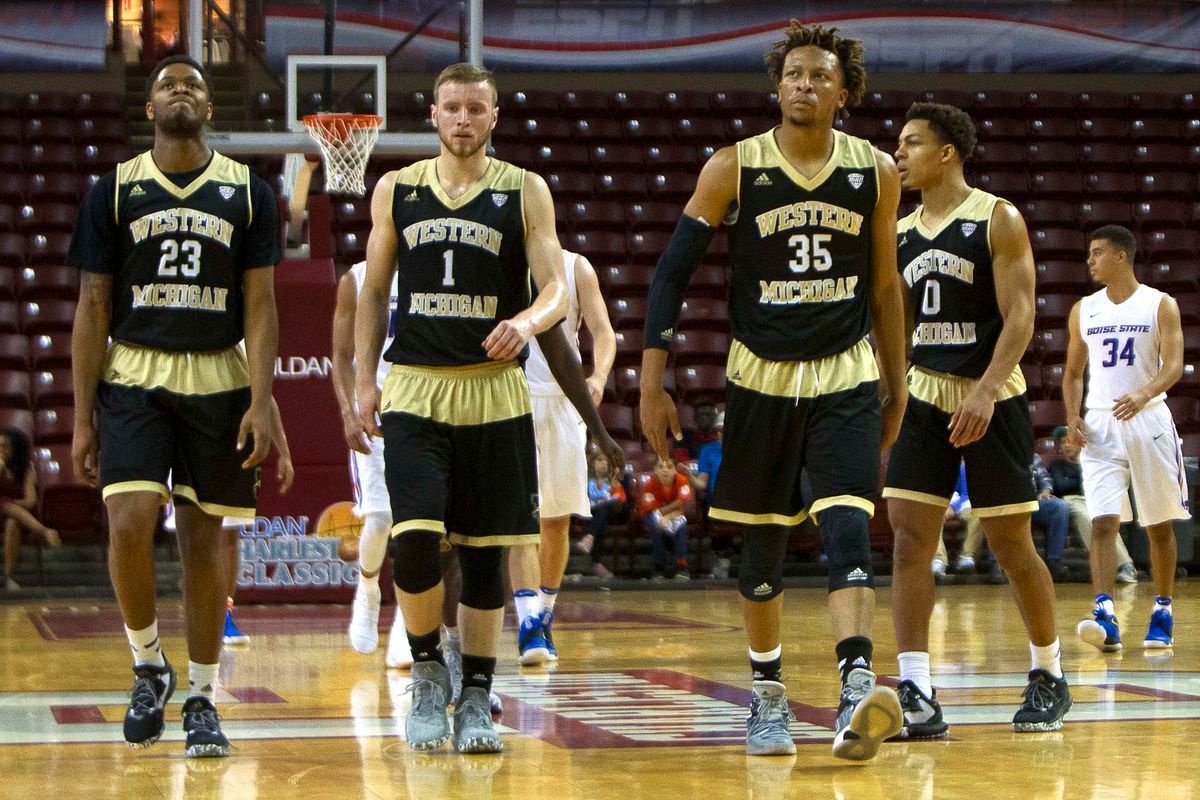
(1123, 344)
(359, 271)
(537, 371)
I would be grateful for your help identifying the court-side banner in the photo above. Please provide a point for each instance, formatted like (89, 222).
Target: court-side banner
(38, 35)
(1107, 36)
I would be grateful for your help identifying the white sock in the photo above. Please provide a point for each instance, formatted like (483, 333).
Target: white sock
(528, 604)
(373, 541)
(1046, 658)
(202, 680)
(147, 650)
(1162, 604)
(451, 633)
(548, 596)
(371, 583)
(769, 655)
(914, 666)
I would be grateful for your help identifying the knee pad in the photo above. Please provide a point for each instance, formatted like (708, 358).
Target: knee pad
(415, 560)
(482, 581)
(760, 577)
(848, 546)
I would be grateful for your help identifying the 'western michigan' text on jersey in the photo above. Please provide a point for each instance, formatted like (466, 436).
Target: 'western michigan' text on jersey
(800, 250)
(178, 279)
(948, 272)
(462, 264)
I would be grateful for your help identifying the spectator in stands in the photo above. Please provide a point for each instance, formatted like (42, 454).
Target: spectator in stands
(607, 499)
(18, 499)
(1067, 475)
(1054, 515)
(959, 508)
(708, 464)
(663, 514)
(694, 439)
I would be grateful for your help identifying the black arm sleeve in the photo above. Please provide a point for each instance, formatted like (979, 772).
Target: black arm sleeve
(260, 247)
(94, 241)
(684, 253)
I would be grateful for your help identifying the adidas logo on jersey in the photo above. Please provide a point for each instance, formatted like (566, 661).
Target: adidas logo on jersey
(137, 191)
(411, 197)
(736, 376)
(968, 228)
(761, 589)
(763, 180)
(856, 179)
(856, 574)
(226, 191)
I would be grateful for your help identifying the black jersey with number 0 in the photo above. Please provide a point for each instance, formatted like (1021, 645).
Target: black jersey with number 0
(801, 250)
(177, 253)
(948, 272)
(462, 264)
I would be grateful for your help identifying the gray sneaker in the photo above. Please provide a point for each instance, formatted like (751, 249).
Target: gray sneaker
(867, 715)
(427, 726)
(452, 653)
(473, 728)
(1127, 573)
(767, 731)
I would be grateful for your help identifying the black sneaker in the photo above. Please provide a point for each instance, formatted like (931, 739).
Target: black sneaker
(922, 714)
(152, 688)
(203, 728)
(1047, 700)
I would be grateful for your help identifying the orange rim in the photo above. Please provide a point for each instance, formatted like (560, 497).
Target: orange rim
(338, 126)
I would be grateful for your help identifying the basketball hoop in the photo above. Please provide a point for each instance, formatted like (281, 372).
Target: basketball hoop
(346, 141)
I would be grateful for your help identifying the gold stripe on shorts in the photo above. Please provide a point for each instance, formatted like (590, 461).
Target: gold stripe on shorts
(795, 379)
(471, 395)
(947, 391)
(124, 487)
(756, 519)
(841, 500)
(891, 493)
(496, 540)
(1027, 507)
(214, 509)
(199, 373)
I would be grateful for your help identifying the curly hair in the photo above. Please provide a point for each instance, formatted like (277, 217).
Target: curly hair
(849, 53)
(950, 123)
(19, 463)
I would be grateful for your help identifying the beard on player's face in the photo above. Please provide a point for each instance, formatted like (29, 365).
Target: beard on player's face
(178, 121)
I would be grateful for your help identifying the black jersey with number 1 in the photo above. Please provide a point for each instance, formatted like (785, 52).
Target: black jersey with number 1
(948, 271)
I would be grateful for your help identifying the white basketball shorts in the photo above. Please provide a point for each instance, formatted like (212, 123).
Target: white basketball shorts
(370, 488)
(562, 457)
(1142, 454)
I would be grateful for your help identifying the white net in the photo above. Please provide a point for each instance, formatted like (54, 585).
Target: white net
(346, 141)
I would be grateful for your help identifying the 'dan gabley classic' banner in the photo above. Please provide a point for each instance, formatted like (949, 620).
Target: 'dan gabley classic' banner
(993, 36)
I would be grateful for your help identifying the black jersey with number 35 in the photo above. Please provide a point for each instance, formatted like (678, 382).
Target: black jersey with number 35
(948, 272)
(801, 250)
(462, 264)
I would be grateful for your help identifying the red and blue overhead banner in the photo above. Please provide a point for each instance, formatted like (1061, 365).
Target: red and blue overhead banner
(44, 35)
(992, 37)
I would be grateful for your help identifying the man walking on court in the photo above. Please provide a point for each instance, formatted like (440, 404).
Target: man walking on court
(1129, 338)
(468, 231)
(965, 257)
(177, 248)
(811, 214)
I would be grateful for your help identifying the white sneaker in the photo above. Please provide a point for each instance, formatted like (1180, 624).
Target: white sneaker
(364, 619)
(399, 655)
(939, 568)
(964, 564)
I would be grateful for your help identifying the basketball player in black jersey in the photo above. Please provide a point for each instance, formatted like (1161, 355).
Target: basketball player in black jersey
(177, 250)
(811, 219)
(468, 231)
(965, 257)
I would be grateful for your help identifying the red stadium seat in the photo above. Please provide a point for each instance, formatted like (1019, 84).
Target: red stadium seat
(648, 129)
(708, 281)
(1002, 128)
(701, 312)
(652, 215)
(1120, 185)
(1155, 101)
(545, 128)
(560, 156)
(569, 184)
(1184, 410)
(1054, 309)
(1190, 444)
(1051, 344)
(1043, 212)
(1172, 243)
(47, 248)
(8, 218)
(1058, 242)
(40, 130)
(103, 156)
(1191, 341)
(48, 351)
(1160, 155)
(1008, 185)
(862, 127)
(1102, 102)
(889, 101)
(12, 157)
(619, 421)
(1189, 307)
(685, 102)
(635, 102)
(10, 130)
(626, 280)
(1095, 213)
(1062, 276)
(48, 216)
(1099, 128)
(49, 283)
(19, 418)
(616, 156)
(1000, 155)
(1189, 382)
(1164, 213)
(741, 102)
(674, 184)
(597, 129)
(600, 247)
(47, 316)
(12, 188)
(1106, 155)
(1155, 129)
(52, 388)
(700, 381)
(584, 101)
(627, 313)
(1033, 380)
(629, 386)
(51, 156)
(14, 389)
(645, 247)
(629, 347)
(76, 511)
(1167, 184)
(65, 187)
(700, 347)
(620, 185)
(8, 285)
(10, 321)
(532, 101)
(701, 130)
(1047, 415)
(1053, 127)
(594, 215)
(1059, 183)
(660, 157)
(14, 348)
(1041, 102)
(1174, 276)
(1044, 155)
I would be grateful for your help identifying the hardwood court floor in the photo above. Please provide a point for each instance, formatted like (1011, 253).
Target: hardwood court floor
(649, 701)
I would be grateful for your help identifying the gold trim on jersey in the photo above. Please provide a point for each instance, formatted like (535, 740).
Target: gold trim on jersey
(841, 500)
(796, 379)
(221, 169)
(756, 519)
(495, 540)
(947, 391)
(850, 152)
(432, 525)
(214, 509)
(890, 493)
(200, 373)
(125, 487)
(472, 395)
(499, 176)
(975, 207)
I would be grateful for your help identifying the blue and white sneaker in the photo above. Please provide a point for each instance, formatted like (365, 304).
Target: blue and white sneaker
(547, 620)
(1100, 631)
(232, 634)
(1162, 625)
(531, 643)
